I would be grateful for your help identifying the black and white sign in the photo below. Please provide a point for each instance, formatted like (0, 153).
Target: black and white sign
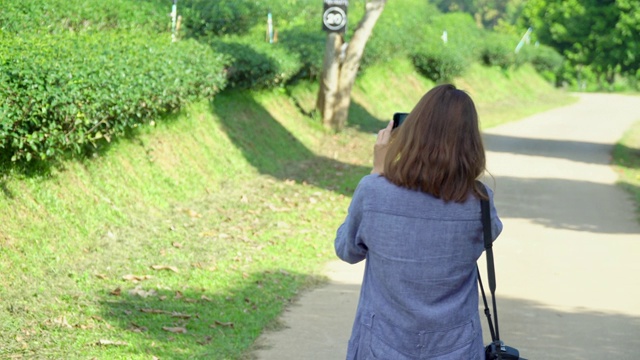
(334, 16)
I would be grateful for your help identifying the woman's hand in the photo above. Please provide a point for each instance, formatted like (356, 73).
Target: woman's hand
(380, 149)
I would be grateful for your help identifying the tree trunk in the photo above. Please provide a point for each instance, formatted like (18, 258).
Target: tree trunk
(330, 76)
(341, 63)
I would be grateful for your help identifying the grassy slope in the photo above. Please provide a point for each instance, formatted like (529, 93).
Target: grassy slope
(241, 196)
(626, 158)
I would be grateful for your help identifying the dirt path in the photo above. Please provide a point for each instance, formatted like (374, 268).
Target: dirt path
(568, 267)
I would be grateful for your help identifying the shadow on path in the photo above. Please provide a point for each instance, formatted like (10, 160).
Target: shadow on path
(543, 333)
(537, 331)
(580, 151)
(553, 202)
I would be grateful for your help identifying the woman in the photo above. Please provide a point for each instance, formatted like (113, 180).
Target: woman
(416, 220)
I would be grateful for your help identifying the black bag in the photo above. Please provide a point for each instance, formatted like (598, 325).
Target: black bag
(497, 349)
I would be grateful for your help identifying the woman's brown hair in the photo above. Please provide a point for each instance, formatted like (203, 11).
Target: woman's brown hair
(438, 149)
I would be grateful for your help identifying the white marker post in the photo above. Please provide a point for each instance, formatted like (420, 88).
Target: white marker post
(270, 27)
(174, 17)
(525, 37)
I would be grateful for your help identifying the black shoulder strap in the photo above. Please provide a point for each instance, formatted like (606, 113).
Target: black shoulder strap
(488, 245)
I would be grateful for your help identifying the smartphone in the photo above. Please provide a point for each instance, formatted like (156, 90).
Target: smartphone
(398, 118)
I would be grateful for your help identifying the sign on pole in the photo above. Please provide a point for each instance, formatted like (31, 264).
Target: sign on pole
(334, 16)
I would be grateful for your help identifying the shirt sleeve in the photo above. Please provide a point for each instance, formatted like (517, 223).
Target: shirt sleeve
(349, 245)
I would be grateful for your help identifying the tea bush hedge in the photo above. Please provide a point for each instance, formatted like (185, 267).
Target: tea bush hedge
(74, 73)
(256, 64)
(463, 35)
(67, 92)
(400, 29)
(546, 60)
(439, 62)
(499, 50)
(206, 18)
(57, 16)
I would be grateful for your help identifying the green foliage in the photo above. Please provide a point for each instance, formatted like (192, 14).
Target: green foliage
(238, 29)
(488, 13)
(308, 45)
(167, 199)
(206, 18)
(400, 28)
(626, 161)
(439, 62)
(78, 72)
(257, 64)
(56, 16)
(462, 34)
(66, 92)
(601, 35)
(499, 50)
(545, 60)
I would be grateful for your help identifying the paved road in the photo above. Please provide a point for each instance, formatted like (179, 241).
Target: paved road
(568, 261)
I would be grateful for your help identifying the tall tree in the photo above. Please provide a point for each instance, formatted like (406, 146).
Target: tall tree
(602, 34)
(341, 63)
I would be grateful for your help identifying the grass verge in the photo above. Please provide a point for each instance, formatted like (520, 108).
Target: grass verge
(188, 240)
(626, 159)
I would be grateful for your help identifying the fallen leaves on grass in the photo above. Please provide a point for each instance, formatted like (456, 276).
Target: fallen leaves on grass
(84, 327)
(204, 266)
(116, 292)
(210, 233)
(60, 321)
(205, 341)
(136, 278)
(137, 328)
(175, 330)
(179, 296)
(192, 213)
(111, 343)
(153, 311)
(177, 245)
(217, 323)
(139, 291)
(172, 313)
(164, 267)
(181, 316)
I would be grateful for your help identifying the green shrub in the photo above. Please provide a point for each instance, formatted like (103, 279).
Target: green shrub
(439, 62)
(56, 16)
(399, 30)
(206, 18)
(66, 92)
(546, 60)
(256, 64)
(463, 34)
(498, 50)
(309, 46)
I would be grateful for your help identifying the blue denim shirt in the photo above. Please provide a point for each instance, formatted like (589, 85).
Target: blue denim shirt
(419, 295)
